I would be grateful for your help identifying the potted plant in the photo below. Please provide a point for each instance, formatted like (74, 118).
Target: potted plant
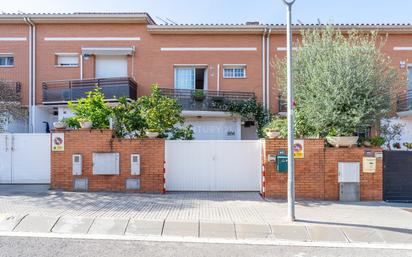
(408, 146)
(396, 145)
(152, 133)
(85, 123)
(276, 128)
(341, 139)
(198, 95)
(60, 124)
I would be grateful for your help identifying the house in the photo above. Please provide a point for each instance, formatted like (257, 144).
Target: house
(55, 58)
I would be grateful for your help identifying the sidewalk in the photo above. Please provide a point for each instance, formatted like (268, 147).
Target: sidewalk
(228, 216)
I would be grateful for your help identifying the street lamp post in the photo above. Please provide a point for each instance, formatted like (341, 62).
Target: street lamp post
(290, 103)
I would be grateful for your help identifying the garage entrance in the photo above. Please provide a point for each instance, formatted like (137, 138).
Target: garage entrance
(24, 158)
(397, 176)
(213, 165)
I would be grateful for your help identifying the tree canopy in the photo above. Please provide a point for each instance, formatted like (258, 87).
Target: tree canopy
(341, 81)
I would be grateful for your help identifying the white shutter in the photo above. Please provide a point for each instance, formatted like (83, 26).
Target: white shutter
(67, 60)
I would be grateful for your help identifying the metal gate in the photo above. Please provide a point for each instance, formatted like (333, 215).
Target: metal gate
(213, 165)
(397, 176)
(24, 158)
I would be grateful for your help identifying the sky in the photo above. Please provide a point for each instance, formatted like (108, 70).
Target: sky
(232, 11)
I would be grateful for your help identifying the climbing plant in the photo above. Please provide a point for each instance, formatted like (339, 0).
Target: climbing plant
(250, 110)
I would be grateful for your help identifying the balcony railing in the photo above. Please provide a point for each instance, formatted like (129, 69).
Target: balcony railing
(62, 91)
(404, 102)
(210, 101)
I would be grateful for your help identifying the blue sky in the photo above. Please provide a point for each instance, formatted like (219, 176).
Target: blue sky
(232, 11)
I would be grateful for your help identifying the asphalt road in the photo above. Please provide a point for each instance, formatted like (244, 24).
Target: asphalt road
(54, 247)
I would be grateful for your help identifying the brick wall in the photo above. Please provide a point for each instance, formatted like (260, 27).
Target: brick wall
(85, 142)
(316, 175)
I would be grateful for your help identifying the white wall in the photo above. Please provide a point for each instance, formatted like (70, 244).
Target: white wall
(407, 130)
(65, 112)
(43, 114)
(215, 128)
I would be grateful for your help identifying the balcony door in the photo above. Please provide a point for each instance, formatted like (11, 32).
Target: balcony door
(111, 66)
(191, 78)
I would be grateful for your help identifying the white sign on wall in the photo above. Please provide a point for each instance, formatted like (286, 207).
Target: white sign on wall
(58, 142)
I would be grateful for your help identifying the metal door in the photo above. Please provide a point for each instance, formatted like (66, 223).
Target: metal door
(5, 159)
(397, 176)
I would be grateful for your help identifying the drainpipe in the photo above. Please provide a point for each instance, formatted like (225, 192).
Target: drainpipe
(263, 70)
(31, 73)
(218, 78)
(268, 71)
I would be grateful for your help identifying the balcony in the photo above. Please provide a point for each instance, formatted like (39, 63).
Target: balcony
(63, 91)
(210, 101)
(404, 102)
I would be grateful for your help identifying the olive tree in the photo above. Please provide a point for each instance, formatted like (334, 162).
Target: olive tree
(341, 81)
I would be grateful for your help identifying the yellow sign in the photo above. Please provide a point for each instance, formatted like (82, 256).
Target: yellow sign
(299, 149)
(369, 164)
(58, 142)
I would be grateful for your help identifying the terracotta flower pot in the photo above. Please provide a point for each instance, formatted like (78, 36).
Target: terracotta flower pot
(272, 134)
(59, 125)
(152, 134)
(86, 124)
(342, 141)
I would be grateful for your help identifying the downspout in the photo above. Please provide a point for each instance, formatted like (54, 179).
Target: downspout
(263, 70)
(30, 24)
(268, 71)
(218, 78)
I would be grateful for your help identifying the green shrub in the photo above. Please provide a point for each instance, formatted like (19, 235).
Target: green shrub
(278, 124)
(377, 141)
(159, 112)
(341, 82)
(92, 108)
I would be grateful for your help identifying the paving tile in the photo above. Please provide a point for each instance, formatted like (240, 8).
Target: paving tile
(326, 234)
(73, 225)
(184, 229)
(9, 222)
(217, 230)
(255, 231)
(397, 236)
(108, 226)
(362, 235)
(144, 227)
(290, 232)
(38, 224)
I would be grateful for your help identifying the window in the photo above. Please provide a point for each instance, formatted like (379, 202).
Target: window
(191, 78)
(230, 72)
(67, 60)
(6, 60)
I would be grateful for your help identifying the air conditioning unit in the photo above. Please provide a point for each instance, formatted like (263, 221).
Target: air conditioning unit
(77, 164)
(135, 164)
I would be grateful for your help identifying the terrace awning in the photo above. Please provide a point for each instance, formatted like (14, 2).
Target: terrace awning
(108, 50)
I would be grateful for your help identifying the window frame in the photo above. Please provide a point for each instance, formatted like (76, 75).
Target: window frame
(57, 64)
(193, 67)
(7, 56)
(234, 67)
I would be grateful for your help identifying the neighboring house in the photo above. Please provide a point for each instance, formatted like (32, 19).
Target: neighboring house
(59, 57)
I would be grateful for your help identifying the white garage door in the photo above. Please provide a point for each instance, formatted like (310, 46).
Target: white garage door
(109, 66)
(25, 158)
(214, 165)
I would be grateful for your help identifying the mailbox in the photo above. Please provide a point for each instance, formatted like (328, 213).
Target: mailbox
(282, 162)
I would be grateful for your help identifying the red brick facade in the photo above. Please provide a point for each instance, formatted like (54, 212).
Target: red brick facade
(86, 142)
(316, 175)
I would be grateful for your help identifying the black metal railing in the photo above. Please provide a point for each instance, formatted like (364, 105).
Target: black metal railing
(12, 85)
(62, 91)
(206, 100)
(404, 102)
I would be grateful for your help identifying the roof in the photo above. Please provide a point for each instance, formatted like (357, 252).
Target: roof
(153, 27)
(75, 17)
